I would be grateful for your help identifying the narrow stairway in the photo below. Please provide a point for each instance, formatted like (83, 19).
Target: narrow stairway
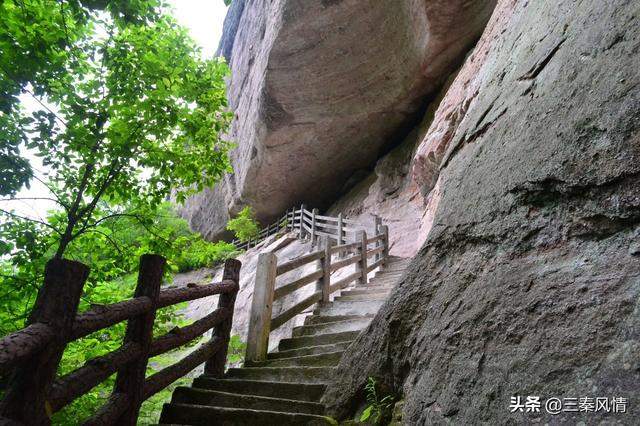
(287, 388)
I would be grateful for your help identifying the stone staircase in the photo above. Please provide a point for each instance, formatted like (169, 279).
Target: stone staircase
(286, 389)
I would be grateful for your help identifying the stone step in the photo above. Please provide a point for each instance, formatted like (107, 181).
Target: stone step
(322, 319)
(322, 339)
(328, 359)
(350, 308)
(297, 391)
(195, 396)
(308, 375)
(331, 327)
(200, 415)
(312, 350)
(383, 284)
(388, 275)
(364, 290)
(362, 297)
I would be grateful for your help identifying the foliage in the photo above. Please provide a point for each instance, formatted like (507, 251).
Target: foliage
(236, 351)
(112, 253)
(130, 112)
(37, 40)
(201, 253)
(244, 226)
(377, 409)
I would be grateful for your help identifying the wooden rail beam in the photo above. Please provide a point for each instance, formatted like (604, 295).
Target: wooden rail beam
(77, 383)
(22, 344)
(299, 261)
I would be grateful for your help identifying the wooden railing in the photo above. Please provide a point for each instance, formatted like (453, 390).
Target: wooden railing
(312, 225)
(264, 233)
(29, 358)
(356, 253)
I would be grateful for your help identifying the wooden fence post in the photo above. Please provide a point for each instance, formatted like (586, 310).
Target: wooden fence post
(56, 305)
(301, 234)
(377, 224)
(340, 231)
(362, 265)
(325, 281)
(215, 365)
(385, 242)
(130, 378)
(261, 307)
(314, 236)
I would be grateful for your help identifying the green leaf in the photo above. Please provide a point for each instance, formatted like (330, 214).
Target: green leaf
(366, 413)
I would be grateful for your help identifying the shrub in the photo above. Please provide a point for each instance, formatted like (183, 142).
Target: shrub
(377, 409)
(201, 253)
(244, 226)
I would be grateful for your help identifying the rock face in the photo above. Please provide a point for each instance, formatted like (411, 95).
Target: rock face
(320, 89)
(529, 281)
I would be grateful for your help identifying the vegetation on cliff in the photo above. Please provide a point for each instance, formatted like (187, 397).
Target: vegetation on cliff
(123, 113)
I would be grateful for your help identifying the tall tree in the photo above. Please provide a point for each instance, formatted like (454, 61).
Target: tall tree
(130, 112)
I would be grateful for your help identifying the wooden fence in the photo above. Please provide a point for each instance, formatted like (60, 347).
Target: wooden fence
(264, 233)
(310, 224)
(29, 358)
(331, 258)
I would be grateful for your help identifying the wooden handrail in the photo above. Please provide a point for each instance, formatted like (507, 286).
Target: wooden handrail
(184, 294)
(280, 292)
(261, 324)
(22, 344)
(344, 247)
(104, 316)
(39, 344)
(298, 262)
(295, 310)
(345, 262)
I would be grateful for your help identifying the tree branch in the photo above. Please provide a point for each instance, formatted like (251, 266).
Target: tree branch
(16, 216)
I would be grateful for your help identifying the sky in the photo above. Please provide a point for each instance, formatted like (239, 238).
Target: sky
(203, 18)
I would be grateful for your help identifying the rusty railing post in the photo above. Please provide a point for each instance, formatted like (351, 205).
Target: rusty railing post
(261, 308)
(215, 366)
(56, 305)
(130, 378)
(362, 265)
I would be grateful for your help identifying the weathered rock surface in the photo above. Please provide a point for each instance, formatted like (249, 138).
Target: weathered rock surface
(321, 88)
(529, 281)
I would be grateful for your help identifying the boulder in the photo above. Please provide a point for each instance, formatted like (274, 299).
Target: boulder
(529, 281)
(321, 89)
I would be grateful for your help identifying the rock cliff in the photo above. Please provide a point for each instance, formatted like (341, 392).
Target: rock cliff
(529, 280)
(513, 179)
(322, 89)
